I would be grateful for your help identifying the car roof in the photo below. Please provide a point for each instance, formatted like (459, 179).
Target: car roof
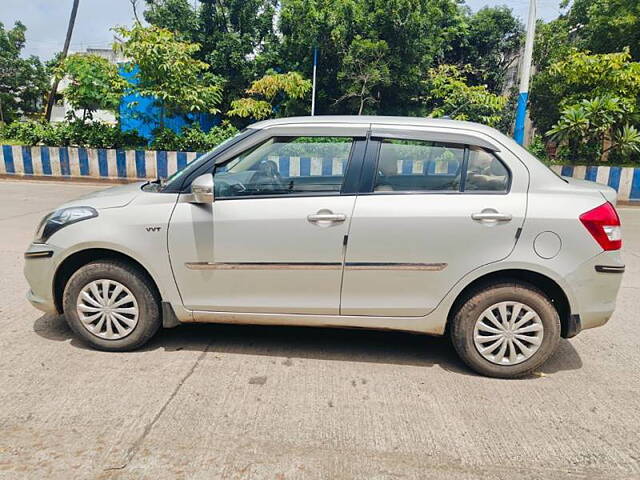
(338, 121)
(386, 120)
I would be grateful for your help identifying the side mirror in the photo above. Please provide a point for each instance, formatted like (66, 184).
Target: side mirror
(202, 189)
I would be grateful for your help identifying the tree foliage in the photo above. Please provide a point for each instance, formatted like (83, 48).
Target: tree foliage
(23, 81)
(416, 33)
(72, 133)
(233, 35)
(597, 98)
(593, 128)
(275, 92)
(164, 68)
(192, 138)
(580, 76)
(94, 83)
(605, 26)
(490, 42)
(365, 67)
(448, 94)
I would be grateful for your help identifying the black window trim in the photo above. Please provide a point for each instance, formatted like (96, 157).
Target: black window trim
(372, 157)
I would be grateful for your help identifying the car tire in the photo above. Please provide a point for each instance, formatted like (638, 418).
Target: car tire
(530, 336)
(130, 312)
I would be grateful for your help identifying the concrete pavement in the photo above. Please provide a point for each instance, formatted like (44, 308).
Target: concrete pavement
(240, 402)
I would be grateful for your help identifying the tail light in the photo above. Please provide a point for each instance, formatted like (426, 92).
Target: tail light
(603, 224)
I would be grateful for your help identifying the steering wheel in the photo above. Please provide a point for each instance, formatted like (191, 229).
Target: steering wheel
(267, 177)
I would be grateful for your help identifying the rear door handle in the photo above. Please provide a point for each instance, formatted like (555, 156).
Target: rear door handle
(491, 215)
(326, 217)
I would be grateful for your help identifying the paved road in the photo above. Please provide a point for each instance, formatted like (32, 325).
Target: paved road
(233, 402)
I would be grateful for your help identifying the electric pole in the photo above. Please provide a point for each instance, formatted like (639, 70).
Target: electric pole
(525, 72)
(313, 88)
(65, 50)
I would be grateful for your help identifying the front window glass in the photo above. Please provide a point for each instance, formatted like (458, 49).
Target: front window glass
(416, 165)
(286, 165)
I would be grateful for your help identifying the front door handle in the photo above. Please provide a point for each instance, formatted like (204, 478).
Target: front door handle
(491, 215)
(326, 217)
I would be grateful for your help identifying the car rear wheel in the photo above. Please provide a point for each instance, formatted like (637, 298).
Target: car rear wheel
(112, 306)
(506, 330)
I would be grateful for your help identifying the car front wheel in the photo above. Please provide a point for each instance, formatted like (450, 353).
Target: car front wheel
(112, 306)
(506, 330)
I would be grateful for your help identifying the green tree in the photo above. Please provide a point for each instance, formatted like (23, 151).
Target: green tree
(364, 68)
(23, 81)
(273, 93)
(164, 68)
(235, 36)
(94, 84)
(490, 42)
(178, 16)
(604, 26)
(597, 26)
(593, 128)
(447, 93)
(553, 42)
(582, 76)
(417, 33)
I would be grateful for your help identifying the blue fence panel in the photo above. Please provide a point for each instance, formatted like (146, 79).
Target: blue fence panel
(567, 171)
(182, 160)
(103, 165)
(27, 162)
(45, 158)
(83, 160)
(65, 169)
(634, 194)
(614, 177)
(284, 166)
(8, 159)
(305, 167)
(161, 162)
(591, 174)
(121, 163)
(141, 165)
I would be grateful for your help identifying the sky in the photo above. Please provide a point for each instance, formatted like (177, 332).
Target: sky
(46, 20)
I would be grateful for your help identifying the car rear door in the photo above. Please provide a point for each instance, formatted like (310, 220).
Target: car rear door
(434, 205)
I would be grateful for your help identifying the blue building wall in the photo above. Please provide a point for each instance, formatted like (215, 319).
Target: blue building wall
(144, 116)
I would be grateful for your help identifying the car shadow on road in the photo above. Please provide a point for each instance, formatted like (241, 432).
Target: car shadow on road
(353, 345)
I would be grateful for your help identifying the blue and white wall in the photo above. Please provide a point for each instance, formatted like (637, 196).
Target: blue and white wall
(110, 164)
(91, 163)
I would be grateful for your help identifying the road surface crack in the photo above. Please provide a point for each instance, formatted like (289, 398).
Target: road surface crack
(133, 449)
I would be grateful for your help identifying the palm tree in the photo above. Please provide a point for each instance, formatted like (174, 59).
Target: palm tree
(65, 50)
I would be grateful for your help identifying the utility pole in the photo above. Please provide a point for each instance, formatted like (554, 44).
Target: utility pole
(313, 89)
(65, 50)
(525, 72)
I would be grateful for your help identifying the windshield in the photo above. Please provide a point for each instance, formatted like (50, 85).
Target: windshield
(175, 180)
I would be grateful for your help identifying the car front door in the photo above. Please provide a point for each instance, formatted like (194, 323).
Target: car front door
(435, 205)
(272, 240)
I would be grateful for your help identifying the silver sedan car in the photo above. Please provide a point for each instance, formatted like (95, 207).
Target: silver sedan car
(427, 226)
